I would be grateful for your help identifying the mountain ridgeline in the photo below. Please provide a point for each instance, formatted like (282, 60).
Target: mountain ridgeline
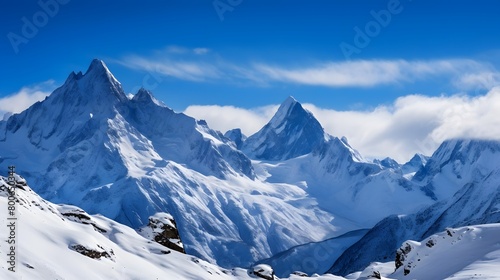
(275, 195)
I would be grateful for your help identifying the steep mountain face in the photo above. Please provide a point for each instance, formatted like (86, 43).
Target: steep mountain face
(471, 167)
(236, 136)
(89, 122)
(349, 186)
(293, 131)
(182, 139)
(417, 162)
(88, 144)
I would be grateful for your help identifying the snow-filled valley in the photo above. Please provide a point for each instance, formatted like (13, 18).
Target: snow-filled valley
(290, 196)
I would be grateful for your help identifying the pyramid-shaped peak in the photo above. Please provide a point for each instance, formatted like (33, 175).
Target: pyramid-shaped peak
(99, 71)
(293, 131)
(288, 107)
(97, 85)
(98, 66)
(290, 101)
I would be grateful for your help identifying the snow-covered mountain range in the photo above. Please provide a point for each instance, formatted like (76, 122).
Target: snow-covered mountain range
(287, 194)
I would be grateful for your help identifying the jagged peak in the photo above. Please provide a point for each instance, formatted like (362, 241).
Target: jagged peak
(145, 96)
(453, 147)
(74, 76)
(419, 158)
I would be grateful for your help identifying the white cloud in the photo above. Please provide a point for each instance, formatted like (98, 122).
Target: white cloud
(203, 65)
(369, 73)
(173, 49)
(25, 97)
(224, 118)
(413, 123)
(184, 70)
(478, 80)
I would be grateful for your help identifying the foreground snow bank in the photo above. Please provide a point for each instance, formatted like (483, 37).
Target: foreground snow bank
(471, 252)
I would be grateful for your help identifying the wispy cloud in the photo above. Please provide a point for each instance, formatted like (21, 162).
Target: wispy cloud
(25, 97)
(173, 49)
(479, 80)
(369, 73)
(204, 65)
(184, 70)
(413, 123)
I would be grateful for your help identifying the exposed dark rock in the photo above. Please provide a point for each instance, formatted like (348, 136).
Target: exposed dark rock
(401, 255)
(163, 230)
(376, 275)
(299, 273)
(430, 243)
(91, 253)
(80, 217)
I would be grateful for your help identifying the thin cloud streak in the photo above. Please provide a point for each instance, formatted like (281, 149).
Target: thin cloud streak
(203, 65)
(370, 73)
(183, 70)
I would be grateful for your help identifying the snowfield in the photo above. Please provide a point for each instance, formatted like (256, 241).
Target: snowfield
(51, 238)
(64, 242)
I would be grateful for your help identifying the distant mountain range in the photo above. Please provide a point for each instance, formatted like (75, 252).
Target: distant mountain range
(271, 197)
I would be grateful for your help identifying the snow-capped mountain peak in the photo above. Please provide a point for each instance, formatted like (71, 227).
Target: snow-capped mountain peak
(293, 131)
(145, 96)
(98, 68)
(284, 111)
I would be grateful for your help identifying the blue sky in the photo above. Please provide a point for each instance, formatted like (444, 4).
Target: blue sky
(250, 54)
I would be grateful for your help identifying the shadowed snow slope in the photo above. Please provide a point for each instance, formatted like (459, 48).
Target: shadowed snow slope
(64, 242)
(468, 169)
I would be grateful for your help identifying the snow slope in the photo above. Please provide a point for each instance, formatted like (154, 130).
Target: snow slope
(64, 242)
(470, 169)
(49, 235)
(471, 252)
(358, 192)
